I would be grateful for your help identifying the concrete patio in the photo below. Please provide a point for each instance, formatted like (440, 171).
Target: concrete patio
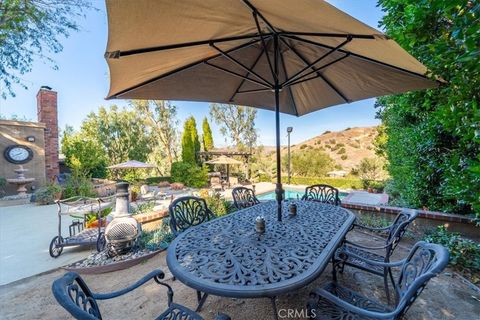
(446, 297)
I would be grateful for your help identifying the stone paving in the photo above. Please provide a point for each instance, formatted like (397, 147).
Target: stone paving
(25, 235)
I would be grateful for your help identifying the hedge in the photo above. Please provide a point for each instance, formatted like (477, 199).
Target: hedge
(157, 180)
(342, 183)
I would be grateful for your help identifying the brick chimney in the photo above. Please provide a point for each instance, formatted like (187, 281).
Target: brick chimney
(47, 114)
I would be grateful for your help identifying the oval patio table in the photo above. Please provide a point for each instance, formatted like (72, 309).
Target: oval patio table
(226, 256)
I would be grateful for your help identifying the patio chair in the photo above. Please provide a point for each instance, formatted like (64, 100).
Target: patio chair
(74, 296)
(244, 197)
(216, 183)
(322, 193)
(425, 261)
(188, 211)
(346, 254)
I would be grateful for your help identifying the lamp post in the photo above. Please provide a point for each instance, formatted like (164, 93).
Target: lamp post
(289, 130)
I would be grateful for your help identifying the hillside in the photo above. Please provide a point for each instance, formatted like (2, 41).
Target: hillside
(356, 142)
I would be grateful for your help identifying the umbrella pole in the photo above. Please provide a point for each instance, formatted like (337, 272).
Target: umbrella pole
(278, 189)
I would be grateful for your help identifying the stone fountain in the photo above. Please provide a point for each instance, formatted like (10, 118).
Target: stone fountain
(20, 181)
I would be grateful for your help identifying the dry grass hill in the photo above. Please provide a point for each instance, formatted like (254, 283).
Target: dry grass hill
(347, 147)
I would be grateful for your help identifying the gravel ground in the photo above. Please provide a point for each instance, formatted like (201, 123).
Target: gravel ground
(446, 297)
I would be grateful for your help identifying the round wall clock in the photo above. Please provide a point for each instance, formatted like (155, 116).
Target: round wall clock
(18, 154)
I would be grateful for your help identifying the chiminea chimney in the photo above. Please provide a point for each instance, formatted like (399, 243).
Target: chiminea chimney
(47, 114)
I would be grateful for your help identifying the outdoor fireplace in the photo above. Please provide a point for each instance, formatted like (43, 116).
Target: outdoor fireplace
(122, 232)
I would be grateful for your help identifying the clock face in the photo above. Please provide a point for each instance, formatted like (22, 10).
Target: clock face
(18, 154)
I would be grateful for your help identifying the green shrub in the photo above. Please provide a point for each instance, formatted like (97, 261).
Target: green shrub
(326, 132)
(189, 174)
(48, 194)
(464, 253)
(318, 142)
(78, 185)
(342, 183)
(156, 239)
(340, 145)
(3, 183)
(218, 204)
(263, 177)
(341, 151)
(156, 180)
(344, 157)
(144, 207)
(303, 146)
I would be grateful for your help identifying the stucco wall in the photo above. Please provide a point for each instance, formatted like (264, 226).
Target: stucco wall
(16, 132)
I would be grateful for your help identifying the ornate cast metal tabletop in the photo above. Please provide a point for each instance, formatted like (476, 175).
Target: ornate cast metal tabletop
(227, 257)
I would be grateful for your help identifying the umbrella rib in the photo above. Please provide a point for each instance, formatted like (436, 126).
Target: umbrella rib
(241, 65)
(254, 91)
(332, 35)
(306, 62)
(243, 80)
(236, 74)
(299, 75)
(118, 53)
(254, 10)
(319, 74)
(359, 56)
(289, 88)
(116, 95)
(255, 16)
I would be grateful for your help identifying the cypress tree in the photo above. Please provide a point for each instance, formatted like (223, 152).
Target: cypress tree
(188, 148)
(207, 135)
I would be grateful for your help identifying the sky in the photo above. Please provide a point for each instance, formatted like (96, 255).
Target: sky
(82, 82)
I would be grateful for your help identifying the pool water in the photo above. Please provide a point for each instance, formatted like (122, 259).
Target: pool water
(291, 194)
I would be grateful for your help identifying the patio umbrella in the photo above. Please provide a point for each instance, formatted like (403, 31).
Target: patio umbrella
(294, 57)
(225, 160)
(132, 164)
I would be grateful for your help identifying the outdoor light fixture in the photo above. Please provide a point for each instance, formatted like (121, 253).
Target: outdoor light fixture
(31, 139)
(289, 130)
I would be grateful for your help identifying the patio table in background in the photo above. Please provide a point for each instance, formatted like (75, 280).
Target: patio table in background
(226, 256)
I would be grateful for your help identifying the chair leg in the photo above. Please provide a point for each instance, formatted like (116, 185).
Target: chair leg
(274, 306)
(201, 300)
(385, 282)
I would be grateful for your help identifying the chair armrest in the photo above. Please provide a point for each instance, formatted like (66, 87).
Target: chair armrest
(349, 307)
(156, 274)
(378, 263)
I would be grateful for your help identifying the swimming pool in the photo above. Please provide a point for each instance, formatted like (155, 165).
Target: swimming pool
(291, 194)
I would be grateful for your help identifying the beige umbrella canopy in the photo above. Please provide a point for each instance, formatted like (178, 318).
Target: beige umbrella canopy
(291, 56)
(132, 164)
(225, 160)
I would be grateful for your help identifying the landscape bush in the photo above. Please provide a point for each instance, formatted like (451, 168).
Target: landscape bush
(310, 163)
(216, 203)
(156, 180)
(464, 253)
(341, 151)
(342, 183)
(48, 194)
(189, 174)
(78, 185)
(156, 239)
(344, 157)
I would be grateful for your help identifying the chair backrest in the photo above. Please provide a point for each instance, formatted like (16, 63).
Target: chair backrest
(186, 212)
(215, 180)
(73, 294)
(398, 229)
(322, 193)
(425, 261)
(244, 197)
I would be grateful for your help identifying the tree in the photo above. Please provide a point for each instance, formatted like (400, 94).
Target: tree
(310, 163)
(28, 28)
(190, 142)
(370, 169)
(237, 124)
(207, 135)
(121, 134)
(433, 136)
(84, 156)
(160, 118)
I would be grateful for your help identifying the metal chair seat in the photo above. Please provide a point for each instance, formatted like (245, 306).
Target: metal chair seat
(176, 311)
(343, 255)
(324, 309)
